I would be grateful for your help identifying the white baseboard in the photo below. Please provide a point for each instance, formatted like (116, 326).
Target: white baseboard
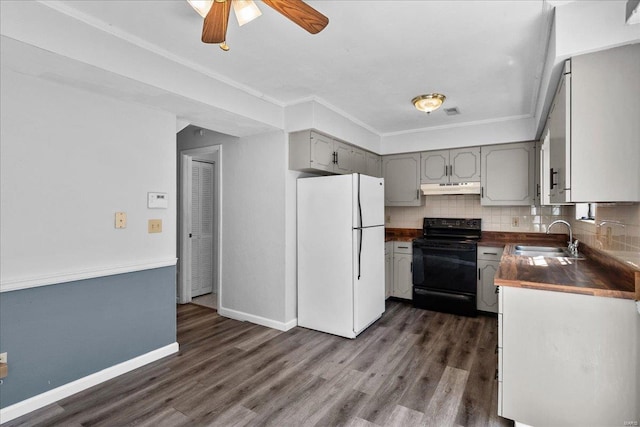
(48, 397)
(274, 324)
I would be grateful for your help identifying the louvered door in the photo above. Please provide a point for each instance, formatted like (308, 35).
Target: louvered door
(201, 228)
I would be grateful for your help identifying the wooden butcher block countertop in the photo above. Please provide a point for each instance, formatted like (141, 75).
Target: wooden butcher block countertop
(598, 274)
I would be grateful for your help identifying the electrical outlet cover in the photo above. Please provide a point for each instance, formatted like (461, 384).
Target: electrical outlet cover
(121, 220)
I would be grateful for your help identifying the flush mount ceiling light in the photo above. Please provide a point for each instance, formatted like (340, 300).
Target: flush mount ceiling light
(429, 102)
(216, 16)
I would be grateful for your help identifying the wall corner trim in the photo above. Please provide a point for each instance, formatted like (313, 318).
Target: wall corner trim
(269, 323)
(41, 400)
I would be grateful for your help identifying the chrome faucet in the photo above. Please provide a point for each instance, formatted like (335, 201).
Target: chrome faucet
(572, 246)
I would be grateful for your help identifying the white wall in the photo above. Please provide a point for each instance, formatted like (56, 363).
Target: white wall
(581, 27)
(254, 224)
(253, 230)
(318, 115)
(70, 160)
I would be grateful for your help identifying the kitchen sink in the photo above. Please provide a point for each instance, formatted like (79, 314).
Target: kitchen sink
(544, 251)
(540, 248)
(547, 254)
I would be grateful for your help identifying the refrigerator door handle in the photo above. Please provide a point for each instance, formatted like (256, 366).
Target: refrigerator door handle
(359, 229)
(359, 252)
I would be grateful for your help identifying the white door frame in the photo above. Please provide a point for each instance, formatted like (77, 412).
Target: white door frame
(206, 154)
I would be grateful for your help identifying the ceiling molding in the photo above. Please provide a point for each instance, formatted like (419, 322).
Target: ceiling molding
(100, 25)
(459, 125)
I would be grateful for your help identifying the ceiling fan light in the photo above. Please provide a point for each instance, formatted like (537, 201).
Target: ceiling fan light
(246, 11)
(429, 102)
(201, 6)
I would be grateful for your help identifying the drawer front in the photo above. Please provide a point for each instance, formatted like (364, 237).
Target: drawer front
(489, 253)
(402, 248)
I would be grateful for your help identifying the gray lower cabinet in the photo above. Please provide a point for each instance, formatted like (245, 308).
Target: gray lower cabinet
(401, 174)
(567, 359)
(508, 174)
(488, 262)
(402, 270)
(388, 269)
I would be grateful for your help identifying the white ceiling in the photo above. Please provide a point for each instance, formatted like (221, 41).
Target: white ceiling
(373, 57)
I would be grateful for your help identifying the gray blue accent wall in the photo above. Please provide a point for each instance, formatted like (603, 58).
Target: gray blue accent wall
(60, 333)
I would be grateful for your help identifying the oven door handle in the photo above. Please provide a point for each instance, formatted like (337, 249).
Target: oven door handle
(446, 249)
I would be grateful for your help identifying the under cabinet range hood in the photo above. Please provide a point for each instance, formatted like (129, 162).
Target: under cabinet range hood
(454, 188)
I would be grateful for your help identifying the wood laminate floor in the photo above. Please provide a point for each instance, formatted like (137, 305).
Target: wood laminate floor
(411, 368)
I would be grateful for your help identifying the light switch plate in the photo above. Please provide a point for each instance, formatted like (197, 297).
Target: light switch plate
(121, 220)
(155, 226)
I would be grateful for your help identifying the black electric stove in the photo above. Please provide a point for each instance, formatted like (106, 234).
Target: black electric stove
(445, 265)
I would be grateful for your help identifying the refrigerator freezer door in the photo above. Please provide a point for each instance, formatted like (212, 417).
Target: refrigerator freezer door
(368, 291)
(325, 251)
(370, 194)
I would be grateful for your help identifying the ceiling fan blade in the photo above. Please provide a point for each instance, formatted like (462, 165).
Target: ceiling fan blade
(300, 13)
(214, 29)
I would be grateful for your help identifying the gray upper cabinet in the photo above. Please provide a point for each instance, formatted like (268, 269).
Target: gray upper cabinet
(450, 166)
(508, 174)
(558, 170)
(374, 165)
(344, 157)
(311, 151)
(605, 140)
(594, 152)
(401, 174)
(359, 160)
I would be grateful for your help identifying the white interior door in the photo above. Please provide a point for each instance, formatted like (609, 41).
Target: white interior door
(202, 215)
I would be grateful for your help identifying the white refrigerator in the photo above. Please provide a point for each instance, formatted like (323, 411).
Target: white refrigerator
(340, 253)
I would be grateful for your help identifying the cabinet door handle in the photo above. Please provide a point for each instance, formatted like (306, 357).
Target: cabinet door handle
(403, 247)
(445, 170)
(418, 194)
(482, 192)
(337, 159)
(552, 181)
(478, 274)
(497, 289)
(489, 253)
(450, 170)
(538, 190)
(411, 268)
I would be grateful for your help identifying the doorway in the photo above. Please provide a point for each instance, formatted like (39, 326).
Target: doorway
(198, 227)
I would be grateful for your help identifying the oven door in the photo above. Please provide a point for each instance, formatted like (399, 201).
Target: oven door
(445, 266)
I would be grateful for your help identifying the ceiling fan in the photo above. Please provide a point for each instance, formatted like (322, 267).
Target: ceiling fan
(216, 16)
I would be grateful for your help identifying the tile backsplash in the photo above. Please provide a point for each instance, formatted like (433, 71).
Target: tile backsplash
(615, 230)
(494, 218)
